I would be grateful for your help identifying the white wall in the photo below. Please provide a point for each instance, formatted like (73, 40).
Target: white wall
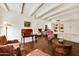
(17, 22)
(71, 27)
(71, 31)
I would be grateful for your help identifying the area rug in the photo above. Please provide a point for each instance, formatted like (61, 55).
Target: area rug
(37, 52)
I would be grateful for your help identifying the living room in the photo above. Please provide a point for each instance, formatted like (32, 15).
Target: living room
(26, 29)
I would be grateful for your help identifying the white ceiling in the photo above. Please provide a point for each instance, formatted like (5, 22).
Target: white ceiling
(45, 11)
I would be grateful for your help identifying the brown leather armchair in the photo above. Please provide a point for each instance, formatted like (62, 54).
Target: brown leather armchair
(8, 47)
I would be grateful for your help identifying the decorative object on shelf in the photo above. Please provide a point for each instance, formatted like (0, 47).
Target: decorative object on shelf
(40, 30)
(27, 24)
(55, 27)
(58, 27)
(56, 24)
(61, 28)
(55, 30)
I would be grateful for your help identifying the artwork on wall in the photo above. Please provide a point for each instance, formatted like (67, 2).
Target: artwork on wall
(27, 24)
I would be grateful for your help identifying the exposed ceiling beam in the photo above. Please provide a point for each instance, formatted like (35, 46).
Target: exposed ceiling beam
(37, 9)
(22, 10)
(64, 13)
(49, 10)
(69, 16)
(6, 6)
(69, 7)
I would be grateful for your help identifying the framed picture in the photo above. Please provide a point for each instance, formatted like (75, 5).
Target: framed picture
(27, 24)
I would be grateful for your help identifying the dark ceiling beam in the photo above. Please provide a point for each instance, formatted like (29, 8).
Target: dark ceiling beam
(6, 6)
(37, 9)
(22, 10)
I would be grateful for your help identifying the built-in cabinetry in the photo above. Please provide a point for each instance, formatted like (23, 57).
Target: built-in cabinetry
(58, 27)
(71, 30)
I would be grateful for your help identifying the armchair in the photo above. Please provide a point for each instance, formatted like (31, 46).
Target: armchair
(8, 47)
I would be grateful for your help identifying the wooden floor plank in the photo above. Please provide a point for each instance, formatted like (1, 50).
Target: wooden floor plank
(44, 45)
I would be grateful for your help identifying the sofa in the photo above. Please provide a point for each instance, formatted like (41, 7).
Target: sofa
(8, 47)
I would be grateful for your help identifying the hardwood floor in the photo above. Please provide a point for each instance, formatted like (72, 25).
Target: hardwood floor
(44, 45)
